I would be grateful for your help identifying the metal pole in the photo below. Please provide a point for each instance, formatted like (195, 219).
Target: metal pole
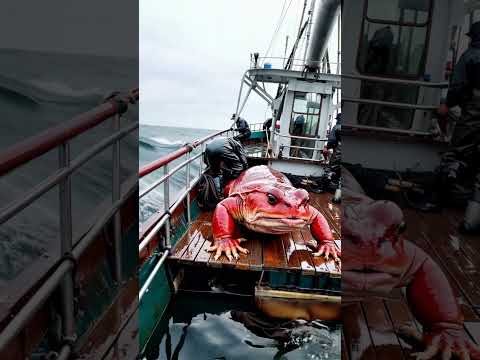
(166, 206)
(187, 185)
(117, 222)
(309, 29)
(67, 283)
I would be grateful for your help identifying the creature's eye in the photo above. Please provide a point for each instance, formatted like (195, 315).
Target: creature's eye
(272, 200)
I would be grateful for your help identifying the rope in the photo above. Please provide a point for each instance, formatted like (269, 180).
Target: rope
(279, 24)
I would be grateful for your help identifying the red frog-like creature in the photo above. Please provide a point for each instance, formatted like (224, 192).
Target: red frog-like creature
(377, 259)
(263, 200)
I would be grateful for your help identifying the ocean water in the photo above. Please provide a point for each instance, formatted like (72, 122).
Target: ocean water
(39, 90)
(158, 141)
(216, 326)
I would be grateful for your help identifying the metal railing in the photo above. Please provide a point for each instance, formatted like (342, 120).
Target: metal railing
(163, 220)
(278, 62)
(34, 147)
(394, 104)
(314, 149)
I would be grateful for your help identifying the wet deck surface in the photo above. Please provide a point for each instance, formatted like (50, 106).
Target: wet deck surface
(371, 326)
(267, 252)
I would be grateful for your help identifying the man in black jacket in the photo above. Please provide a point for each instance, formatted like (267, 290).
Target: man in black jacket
(464, 91)
(243, 129)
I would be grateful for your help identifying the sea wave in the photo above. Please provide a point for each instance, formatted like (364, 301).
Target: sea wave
(38, 91)
(164, 141)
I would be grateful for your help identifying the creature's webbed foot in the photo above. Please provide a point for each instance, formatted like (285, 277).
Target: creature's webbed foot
(230, 247)
(449, 342)
(327, 249)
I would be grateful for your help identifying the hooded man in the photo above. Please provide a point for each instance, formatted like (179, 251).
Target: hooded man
(464, 91)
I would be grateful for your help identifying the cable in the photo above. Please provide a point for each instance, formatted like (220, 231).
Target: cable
(279, 24)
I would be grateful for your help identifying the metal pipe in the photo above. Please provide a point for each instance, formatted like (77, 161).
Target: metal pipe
(390, 103)
(163, 219)
(244, 102)
(47, 140)
(16, 206)
(300, 137)
(163, 178)
(166, 205)
(396, 131)
(149, 168)
(86, 241)
(152, 275)
(41, 295)
(325, 13)
(428, 84)
(239, 95)
(117, 222)
(302, 147)
(67, 283)
(187, 186)
(19, 321)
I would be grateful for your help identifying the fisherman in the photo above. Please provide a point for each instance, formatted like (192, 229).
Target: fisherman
(243, 129)
(464, 91)
(267, 126)
(298, 125)
(334, 136)
(226, 159)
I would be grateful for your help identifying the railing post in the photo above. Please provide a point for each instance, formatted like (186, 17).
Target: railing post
(116, 192)
(202, 149)
(166, 205)
(187, 185)
(67, 283)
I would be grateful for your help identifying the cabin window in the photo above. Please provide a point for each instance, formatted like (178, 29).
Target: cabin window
(304, 121)
(394, 38)
(305, 114)
(387, 116)
(393, 44)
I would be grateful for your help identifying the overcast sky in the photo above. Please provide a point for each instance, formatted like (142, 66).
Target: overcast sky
(194, 53)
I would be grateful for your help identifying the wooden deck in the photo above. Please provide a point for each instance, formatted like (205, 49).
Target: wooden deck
(370, 327)
(267, 252)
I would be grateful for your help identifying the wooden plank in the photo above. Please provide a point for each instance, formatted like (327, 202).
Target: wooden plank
(182, 245)
(357, 337)
(303, 253)
(273, 253)
(255, 257)
(320, 264)
(293, 261)
(473, 329)
(401, 316)
(385, 340)
(433, 233)
(196, 244)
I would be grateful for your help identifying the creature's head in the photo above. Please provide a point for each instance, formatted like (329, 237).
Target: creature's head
(373, 248)
(276, 210)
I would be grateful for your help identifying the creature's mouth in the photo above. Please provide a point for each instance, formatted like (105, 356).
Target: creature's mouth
(280, 222)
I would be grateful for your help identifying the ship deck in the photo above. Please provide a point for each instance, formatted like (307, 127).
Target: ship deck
(267, 252)
(371, 327)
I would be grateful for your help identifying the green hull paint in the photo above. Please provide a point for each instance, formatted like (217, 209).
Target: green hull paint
(156, 300)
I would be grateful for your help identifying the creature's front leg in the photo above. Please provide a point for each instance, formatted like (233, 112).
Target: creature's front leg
(322, 233)
(433, 303)
(225, 232)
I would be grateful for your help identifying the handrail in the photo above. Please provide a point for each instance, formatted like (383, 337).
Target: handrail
(49, 139)
(33, 148)
(157, 164)
(300, 137)
(440, 85)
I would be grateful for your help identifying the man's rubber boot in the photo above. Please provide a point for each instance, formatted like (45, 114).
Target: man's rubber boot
(471, 221)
